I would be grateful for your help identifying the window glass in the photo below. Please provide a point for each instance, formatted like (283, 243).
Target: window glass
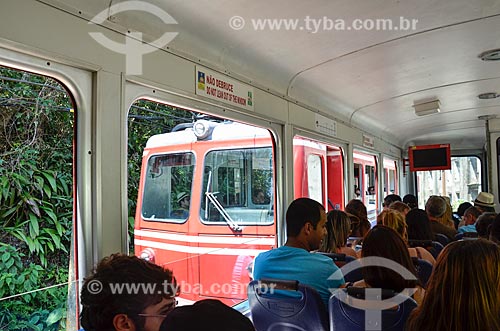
(227, 196)
(390, 177)
(461, 183)
(314, 177)
(167, 187)
(365, 172)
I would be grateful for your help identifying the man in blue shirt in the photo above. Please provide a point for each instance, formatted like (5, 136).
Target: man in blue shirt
(306, 229)
(470, 217)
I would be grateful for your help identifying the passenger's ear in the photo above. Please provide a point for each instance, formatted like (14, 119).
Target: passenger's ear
(308, 228)
(122, 322)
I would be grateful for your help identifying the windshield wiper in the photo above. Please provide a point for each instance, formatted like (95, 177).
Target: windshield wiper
(213, 199)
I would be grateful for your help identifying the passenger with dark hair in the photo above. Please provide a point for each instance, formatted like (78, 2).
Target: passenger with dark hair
(435, 207)
(105, 309)
(462, 293)
(385, 242)
(411, 201)
(419, 227)
(485, 202)
(396, 221)
(494, 230)
(458, 216)
(258, 197)
(390, 199)
(338, 226)
(470, 217)
(306, 230)
(483, 223)
(359, 229)
(371, 190)
(206, 315)
(357, 208)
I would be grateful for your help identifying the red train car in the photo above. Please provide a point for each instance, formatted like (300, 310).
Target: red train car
(206, 202)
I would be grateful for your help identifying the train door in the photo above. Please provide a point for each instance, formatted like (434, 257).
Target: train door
(318, 172)
(391, 184)
(365, 173)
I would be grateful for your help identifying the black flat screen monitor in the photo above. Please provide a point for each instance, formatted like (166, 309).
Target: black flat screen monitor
(429, 157)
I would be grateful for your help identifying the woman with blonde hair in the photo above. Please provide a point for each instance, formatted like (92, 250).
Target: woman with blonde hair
(447, 218)
(462, 293)
(338, 226)
(396, 221)
(402, 207)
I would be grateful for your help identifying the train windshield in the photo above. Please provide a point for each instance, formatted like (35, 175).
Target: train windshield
(167, 186)
(238, 186)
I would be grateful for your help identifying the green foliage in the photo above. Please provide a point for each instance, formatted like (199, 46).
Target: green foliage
(146, 118)
(36, 204)
(25, 312)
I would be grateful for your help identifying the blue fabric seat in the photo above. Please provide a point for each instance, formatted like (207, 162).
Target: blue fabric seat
(275, 311)
(342, 260)
(442, 239)
(377, 312)
(433, 247)
(424, 270)
(467, 236)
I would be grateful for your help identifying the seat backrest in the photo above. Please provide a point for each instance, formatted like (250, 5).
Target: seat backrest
(349, 309)
(336, 257)
(442, 239)
(437, 247)
(433, 247)
(341, 260)
(273, 310)
(424, 270)
(467, 236)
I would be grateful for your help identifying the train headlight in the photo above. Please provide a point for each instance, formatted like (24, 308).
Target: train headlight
(202, 129)
(148, 254)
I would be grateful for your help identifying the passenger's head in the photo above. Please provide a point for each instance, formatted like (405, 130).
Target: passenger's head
(462, 293)
(447, 217)
(471, 215)
(400, 206)
(463, 207)
(482, 224)
(371, 190)
(206, 315)
(104, 309)
(485, 202)
(411, 201)
(395, 220)
(357, 208)
(183, 200)
(390, 199)
(419, 227)
(435, 207)
(338, 226)
(383, 241)
(494, 230)
(306, 218)
(259, 197)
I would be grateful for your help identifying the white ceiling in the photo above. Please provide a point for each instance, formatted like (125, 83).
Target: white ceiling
(370, 79)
